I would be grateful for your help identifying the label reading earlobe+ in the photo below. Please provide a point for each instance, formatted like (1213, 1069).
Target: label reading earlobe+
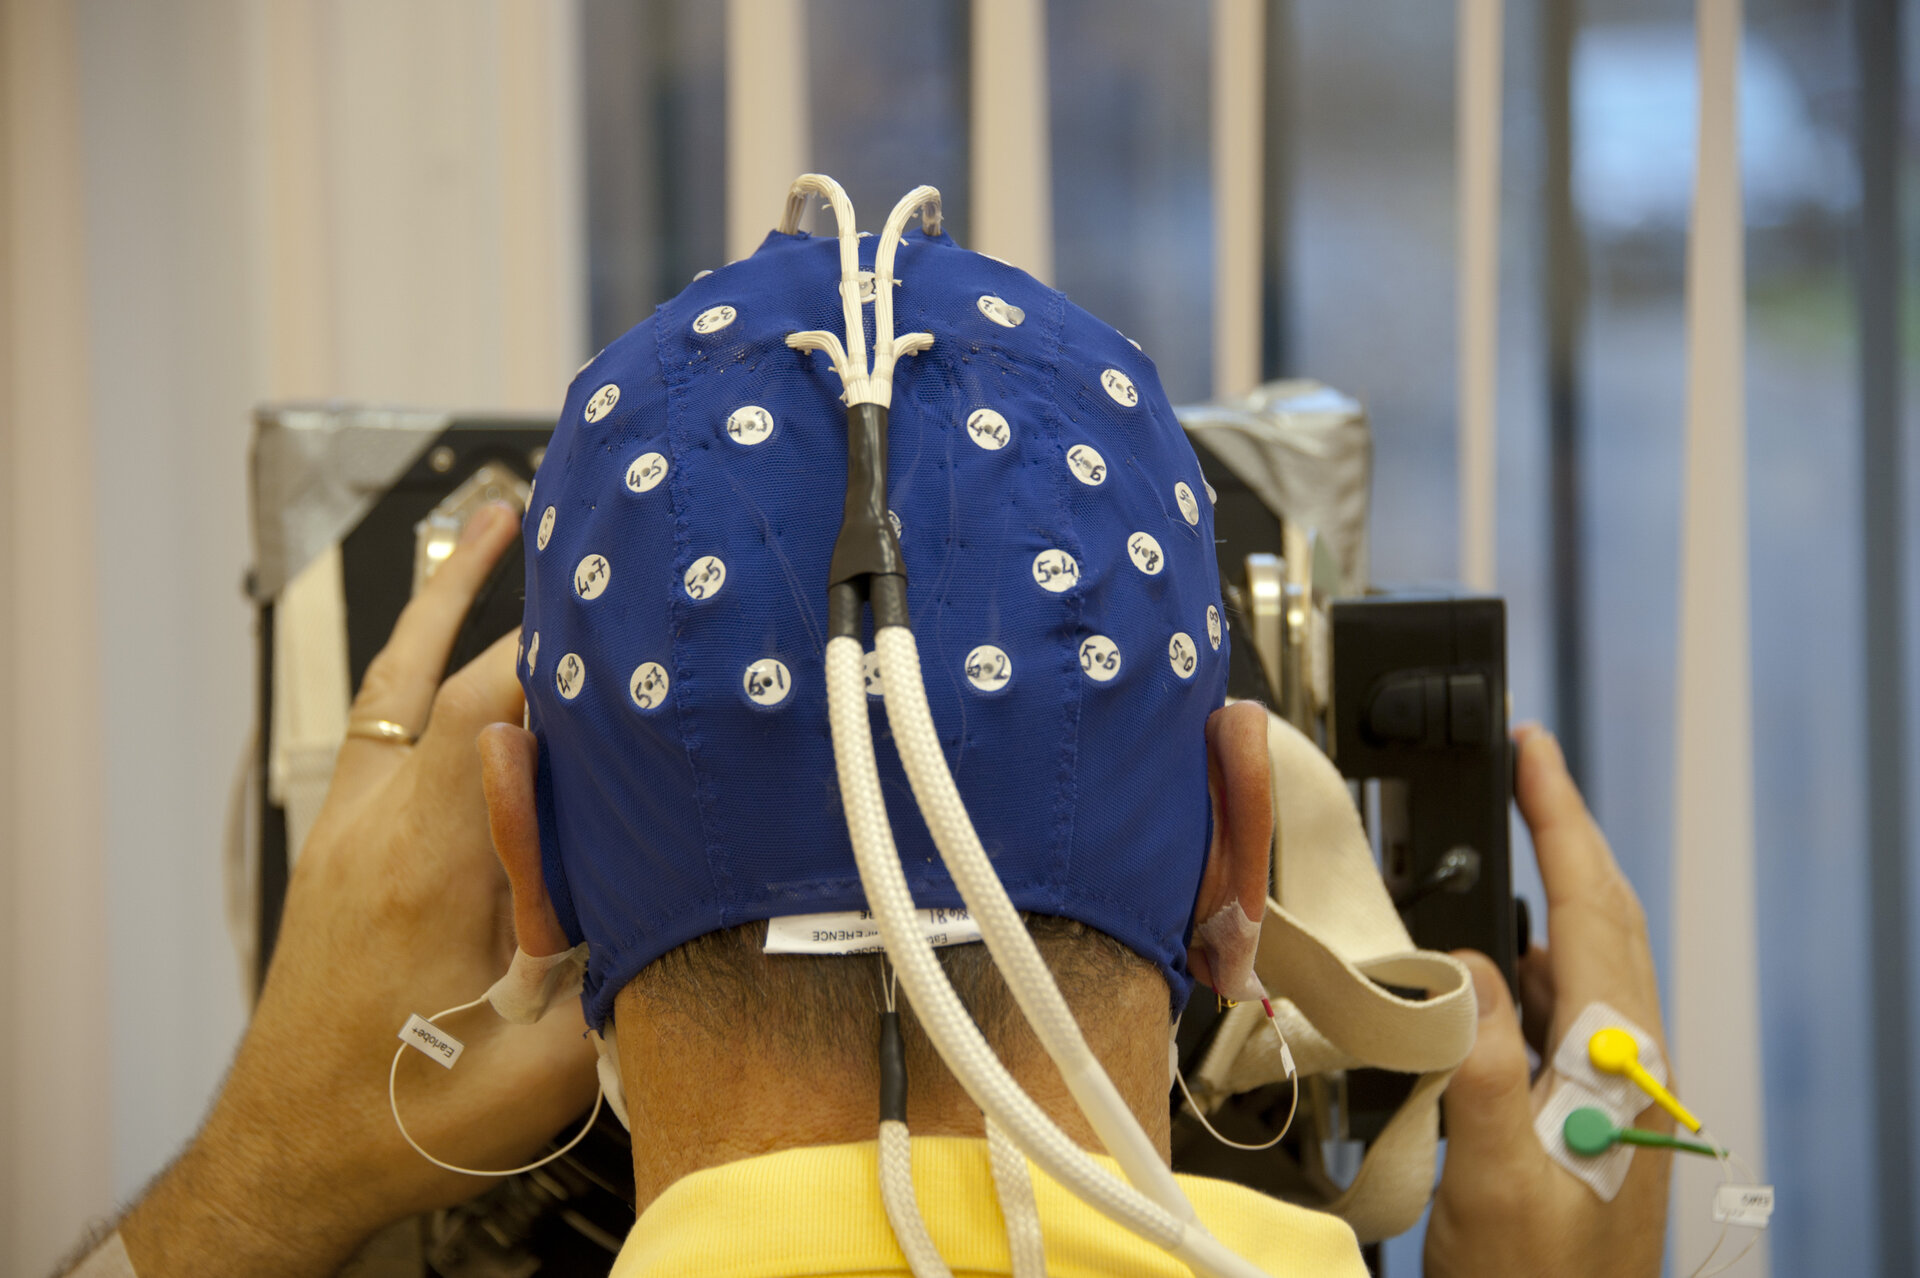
(442, 1048)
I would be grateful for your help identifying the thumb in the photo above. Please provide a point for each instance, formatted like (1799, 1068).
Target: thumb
(1488, 1103)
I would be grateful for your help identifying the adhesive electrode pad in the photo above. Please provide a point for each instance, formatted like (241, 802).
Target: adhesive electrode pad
(531, 984)
(1581, 1085)
(1230, 939)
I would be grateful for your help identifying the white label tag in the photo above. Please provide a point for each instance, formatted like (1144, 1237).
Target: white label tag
(856, 932)
(424, 1036)
(1750, 1205)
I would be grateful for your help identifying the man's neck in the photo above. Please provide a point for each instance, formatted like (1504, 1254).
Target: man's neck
(697, 1101)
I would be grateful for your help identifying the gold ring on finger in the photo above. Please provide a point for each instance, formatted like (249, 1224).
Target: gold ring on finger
(380, 730)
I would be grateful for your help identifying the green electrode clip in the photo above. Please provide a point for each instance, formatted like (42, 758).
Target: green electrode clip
(1590, 1133)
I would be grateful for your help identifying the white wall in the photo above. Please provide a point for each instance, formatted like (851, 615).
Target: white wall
(55, 1127)
(261, 201)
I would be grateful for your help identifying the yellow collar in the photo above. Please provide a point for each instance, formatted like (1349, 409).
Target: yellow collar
(816, 1212)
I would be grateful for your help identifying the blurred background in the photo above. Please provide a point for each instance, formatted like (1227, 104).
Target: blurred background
(213, 203)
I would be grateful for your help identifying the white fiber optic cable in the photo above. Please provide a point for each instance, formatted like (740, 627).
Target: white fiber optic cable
(849, 361)
(903, 1207)
(941, 1014)
(1005, 933)
(887, 351)
(1013, 1186)
(946, 1020)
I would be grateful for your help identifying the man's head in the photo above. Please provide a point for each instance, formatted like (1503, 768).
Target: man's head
(736, 1052)
(1062, 585)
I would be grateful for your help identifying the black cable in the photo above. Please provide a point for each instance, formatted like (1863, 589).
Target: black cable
(866, 556)
(889, 600)
(866, 546)
(893, 1070)
(846, 600)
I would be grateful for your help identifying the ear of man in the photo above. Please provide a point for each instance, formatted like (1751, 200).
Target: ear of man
(1239, 783)
(508, 757)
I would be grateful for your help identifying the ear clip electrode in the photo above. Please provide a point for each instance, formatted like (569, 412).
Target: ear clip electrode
(1286, 1063)
(521, 997)
(1590, 1132)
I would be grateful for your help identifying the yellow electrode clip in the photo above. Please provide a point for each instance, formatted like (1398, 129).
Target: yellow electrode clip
(1614, 1051)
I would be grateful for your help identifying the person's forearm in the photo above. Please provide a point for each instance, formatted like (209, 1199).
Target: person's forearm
(234, 1205)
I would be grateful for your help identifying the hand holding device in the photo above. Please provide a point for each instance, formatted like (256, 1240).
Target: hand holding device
(396, 897)
(1503, 1206)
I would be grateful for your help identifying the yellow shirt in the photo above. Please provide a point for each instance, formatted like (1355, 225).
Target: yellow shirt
(816, 1212)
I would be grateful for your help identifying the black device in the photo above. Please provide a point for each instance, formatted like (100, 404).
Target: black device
(1419, 716)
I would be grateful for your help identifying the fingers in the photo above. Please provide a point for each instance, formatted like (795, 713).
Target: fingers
(1594, 920)
(1574, 858)
(400, 683)
(1489, 1109)
(484, 691)
(1537, 997)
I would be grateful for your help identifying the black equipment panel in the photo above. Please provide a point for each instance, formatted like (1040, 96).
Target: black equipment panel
(1420, 707)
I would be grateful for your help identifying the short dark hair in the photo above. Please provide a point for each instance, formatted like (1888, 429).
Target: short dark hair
(826, 1005)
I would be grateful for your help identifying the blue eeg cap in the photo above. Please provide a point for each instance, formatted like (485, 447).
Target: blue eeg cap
(1059, 549)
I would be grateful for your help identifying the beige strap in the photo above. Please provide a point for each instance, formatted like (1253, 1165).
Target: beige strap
(1328, 944)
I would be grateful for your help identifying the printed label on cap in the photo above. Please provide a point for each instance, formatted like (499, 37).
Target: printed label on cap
(1055, 570)
(1000, 311)
(1100, 658)
(1213, 627)
(648, 687)
(1145, 553)
(988, 668)
(542, 537)
(570, 676)
(714, 318)
(438, 1046)
(1120, 388)
(767, 682)
(750, 424)
(705, 578)
(647, 471)
(1189, 504)
(989, 429)
(856, 932)
(591, 576)
(602, 402)
(1087, 465)
(1182, 655)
